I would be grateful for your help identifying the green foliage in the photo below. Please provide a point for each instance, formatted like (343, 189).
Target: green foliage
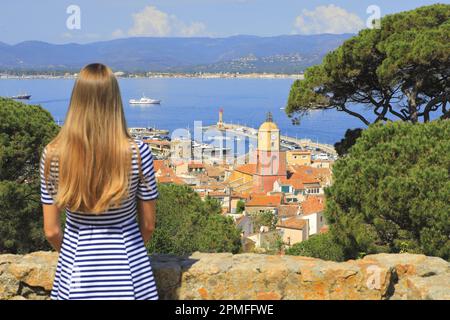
(271, 244)
(391, 192)
(351, 135)
(400, 71)
(279, 243)
(320, 246)
(265, 218)
(240, 206)
(186, 224)
(24, 131)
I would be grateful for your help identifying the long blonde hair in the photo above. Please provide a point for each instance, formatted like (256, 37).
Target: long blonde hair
(92, 148)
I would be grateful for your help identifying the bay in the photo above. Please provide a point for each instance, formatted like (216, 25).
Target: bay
(185, 100)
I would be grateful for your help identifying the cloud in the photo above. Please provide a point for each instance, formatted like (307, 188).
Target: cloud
(153, 22)
(327, 19)
(194, 29)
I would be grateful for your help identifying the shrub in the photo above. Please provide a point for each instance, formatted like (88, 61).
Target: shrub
(186, 224)
(320, 246)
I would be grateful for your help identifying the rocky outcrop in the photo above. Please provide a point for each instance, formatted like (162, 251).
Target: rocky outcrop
(257, 276)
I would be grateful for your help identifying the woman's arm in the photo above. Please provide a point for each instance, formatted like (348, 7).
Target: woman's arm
(147, 218)
(52, 226)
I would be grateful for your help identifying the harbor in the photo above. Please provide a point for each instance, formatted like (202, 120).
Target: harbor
(287, 142)
(221, 141)
(236, 131)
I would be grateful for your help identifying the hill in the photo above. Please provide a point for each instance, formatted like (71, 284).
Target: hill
(279, 54)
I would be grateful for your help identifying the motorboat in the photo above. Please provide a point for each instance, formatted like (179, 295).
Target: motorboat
(144, 100)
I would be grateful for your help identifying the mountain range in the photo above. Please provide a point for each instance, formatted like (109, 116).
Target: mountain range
(278, 54)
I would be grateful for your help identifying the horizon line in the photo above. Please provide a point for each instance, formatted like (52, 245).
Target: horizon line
(178, 38)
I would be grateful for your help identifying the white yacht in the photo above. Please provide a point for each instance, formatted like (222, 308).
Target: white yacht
(144, 100)
(22, 96)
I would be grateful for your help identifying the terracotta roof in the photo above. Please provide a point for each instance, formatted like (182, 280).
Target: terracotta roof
(217, 193)
(294, 182)
(312, 204)
(247, 169)
(288, 210)
(158, 164)
(170, 179)
(165, 174)
(305, 174)
(192, 164)
(257, 194)
(203, 178)
(292, 223)
(157, 142)
(210, 187)
(310, 174)
(164, 171)
(216, 185)
(324, 229)
(196, 165)
(300, 177)
(214, 171)
(265, 201)
(239, 195)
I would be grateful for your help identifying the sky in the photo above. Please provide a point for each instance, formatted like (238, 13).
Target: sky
(83, 21)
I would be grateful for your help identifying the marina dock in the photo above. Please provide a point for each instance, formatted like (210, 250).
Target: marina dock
(251, 133)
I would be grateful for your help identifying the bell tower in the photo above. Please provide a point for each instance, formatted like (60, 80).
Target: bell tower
(271, 162)
(269, 135)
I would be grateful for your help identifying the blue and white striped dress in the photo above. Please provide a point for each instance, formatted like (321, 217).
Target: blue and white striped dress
(103, 256)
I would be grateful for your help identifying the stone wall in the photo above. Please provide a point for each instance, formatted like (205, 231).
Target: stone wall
(255, 276)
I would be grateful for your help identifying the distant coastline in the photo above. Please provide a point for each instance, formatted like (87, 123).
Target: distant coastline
(203, 75)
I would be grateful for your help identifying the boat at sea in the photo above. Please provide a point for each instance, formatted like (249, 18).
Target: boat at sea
(144, 100)
(23, 96)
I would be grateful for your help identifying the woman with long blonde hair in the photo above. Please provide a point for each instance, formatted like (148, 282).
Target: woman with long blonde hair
(105, 181)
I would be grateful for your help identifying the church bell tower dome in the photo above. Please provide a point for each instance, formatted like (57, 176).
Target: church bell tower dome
(269, 124)
(269, 135)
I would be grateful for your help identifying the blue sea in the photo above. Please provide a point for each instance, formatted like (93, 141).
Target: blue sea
(185, 100)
